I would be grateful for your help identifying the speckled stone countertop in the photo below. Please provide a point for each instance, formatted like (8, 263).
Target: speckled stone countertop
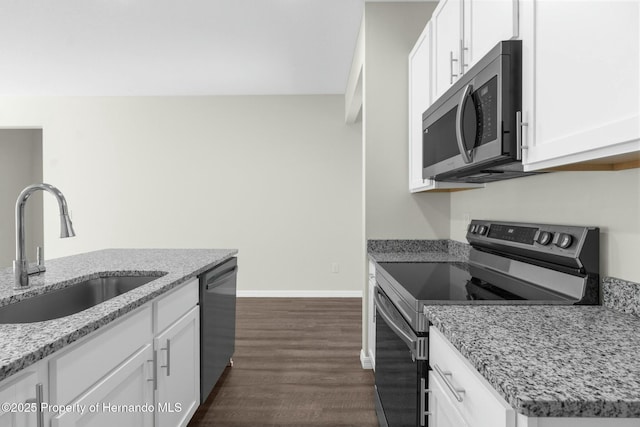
(551, 361)
(621, 295)
(417, 251)
(25, 343)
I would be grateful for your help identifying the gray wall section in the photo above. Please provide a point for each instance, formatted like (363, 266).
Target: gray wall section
(392, 212)
(278, 177)
(20, 166)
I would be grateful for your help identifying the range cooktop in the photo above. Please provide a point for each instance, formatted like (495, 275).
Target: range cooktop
(435, 282)
(509, 263)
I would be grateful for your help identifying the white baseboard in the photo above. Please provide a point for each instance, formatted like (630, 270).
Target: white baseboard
(299, 294)
(365, 360)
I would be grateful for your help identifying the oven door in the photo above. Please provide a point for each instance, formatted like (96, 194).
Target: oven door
(401, 368)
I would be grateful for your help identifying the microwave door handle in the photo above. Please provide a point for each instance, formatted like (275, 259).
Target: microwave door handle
(462, 146)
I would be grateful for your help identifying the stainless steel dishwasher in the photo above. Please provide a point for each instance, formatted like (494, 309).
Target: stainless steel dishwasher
(217, 323)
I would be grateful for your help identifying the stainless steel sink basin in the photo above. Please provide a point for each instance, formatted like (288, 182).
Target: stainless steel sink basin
(70, 300)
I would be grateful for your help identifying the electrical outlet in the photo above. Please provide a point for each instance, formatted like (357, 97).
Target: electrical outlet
(335, 267)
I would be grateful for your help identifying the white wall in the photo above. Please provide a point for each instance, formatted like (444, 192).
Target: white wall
(278, 177)
(391, 30)
(609, 200)
(20, 166)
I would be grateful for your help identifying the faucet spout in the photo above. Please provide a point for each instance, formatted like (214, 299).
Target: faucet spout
(21, 264)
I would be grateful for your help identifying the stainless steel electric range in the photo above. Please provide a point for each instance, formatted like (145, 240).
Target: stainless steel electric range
(509, 263)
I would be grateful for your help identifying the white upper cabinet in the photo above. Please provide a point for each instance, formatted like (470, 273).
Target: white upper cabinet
(581, 73)
(447, 27)
(464, 31)
(419, 100)
(487, 22)
(421, 74)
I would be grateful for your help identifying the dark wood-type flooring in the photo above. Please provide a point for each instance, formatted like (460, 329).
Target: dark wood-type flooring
(296, 364)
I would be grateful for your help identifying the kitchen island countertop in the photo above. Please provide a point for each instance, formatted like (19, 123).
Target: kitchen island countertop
(25, 343)
(550, 361)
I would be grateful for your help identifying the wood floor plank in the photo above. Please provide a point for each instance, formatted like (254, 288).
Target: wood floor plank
(296, 364)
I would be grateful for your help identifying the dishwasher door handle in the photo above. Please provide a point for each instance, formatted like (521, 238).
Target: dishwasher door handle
(218, 280)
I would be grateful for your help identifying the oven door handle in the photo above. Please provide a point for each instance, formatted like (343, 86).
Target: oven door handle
(462, 146)
(404, 336)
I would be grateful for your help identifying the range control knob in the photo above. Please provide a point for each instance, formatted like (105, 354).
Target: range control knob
(472, 228)
(544, 238)
(564, 240)
(482, 230)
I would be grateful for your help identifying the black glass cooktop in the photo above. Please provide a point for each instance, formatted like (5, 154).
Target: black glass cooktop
(450, 282)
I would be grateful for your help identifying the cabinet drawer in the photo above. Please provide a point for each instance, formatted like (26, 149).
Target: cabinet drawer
(477, 401)
(81, 366)
(174, 305)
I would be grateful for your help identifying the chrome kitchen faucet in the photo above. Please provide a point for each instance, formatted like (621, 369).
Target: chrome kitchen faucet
(21, 269)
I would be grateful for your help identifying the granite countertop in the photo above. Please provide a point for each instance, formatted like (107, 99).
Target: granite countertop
(417, 251)
(25, 343)
(551, 361)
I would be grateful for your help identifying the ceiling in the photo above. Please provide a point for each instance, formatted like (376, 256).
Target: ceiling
(176, 47)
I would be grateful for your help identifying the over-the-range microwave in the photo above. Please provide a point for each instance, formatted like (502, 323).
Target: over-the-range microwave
(472, 133)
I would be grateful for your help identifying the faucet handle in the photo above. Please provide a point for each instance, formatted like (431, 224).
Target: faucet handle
(38, 267)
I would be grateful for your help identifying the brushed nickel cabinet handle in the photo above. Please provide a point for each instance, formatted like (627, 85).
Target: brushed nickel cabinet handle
(168, 365)
(38, 401)
(462, 51)
(457, 392)
(154, 370)
(451, 61)
(519, 125)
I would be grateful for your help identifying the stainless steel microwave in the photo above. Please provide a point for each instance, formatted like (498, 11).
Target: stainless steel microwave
(472, 133)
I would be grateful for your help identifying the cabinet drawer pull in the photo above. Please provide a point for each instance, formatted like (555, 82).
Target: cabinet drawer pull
(168, 365)
(451, 61)
(38, 401)
(519, 125)
(154, 369)
(457, 392)
(462, 51)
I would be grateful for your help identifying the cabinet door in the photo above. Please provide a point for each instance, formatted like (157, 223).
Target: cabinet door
(420, 77)
(178, 352)
(487, 22)
(19, 390)
(123, 398)
(447, 22)
(581, 80)
(443, 411)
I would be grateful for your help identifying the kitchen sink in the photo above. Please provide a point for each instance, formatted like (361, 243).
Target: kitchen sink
(70, 300)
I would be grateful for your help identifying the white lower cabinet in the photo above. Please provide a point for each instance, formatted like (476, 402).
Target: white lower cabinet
(177, 349)
(468, 393)
(123, 398)
(142, 370)
(461, 397)
(443, 411)
(21, 389)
